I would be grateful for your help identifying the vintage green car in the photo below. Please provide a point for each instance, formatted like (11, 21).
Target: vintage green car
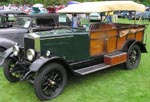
(48, 57)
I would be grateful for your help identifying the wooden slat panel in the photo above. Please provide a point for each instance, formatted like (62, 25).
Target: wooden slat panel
(111, 33)
(120, 42)
(96, 47)
(131, 36)
(111, 44)
(107, 26)
(139, 36)
(97, 34)
(123, 32)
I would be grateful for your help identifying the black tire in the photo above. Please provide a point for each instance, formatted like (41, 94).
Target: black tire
(50, 81)
(134, 57)
(8, 65)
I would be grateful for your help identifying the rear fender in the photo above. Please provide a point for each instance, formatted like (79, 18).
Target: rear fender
(140, 44)
(128, 45)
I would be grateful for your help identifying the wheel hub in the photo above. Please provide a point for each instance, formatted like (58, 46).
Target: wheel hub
(51, 82)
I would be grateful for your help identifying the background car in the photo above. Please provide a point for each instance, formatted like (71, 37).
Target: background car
(25, 24)
(95, 16)
(123, 14)
(145, 15)
(8, 17)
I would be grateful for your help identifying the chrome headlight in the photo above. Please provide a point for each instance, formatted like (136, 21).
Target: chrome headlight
(15, 50)
(48, 53)
(30, 54)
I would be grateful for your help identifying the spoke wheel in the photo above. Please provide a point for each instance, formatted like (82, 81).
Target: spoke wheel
(9, 70)
(50, 81)
(134, 56)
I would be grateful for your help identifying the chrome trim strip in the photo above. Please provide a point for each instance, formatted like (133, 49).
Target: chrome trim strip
(34, 35)
(36, 38)
(57, 37)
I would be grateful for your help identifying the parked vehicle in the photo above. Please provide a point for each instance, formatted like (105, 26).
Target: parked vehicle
(143, 15)
(25, 24)
(95, 16)
(36, 10)
(123, 14)
(48, 57)
(8, 17)
(51, 9)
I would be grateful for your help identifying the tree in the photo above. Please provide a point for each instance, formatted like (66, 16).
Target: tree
(57, 2)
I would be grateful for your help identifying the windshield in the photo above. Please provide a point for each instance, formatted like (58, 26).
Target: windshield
(74, 21)
(23, 22)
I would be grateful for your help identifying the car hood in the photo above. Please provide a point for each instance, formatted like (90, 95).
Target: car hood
(55, 33)
(45, 34)
(59, 32)
(13, 30)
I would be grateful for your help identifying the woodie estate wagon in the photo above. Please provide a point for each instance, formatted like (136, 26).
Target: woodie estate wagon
(48, 57)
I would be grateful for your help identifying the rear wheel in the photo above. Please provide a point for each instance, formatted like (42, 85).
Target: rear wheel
(50, 81)
(134, 56)
(9, 70)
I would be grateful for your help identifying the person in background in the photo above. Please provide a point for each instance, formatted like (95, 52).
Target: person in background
(109, 16)
(115, 17)
(74, 21)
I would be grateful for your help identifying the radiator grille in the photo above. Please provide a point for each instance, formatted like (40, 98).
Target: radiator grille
(28, 43)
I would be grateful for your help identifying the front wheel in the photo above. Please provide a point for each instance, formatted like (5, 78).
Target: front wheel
(50, 81)
(10, 70)
(134, 56)
(2, 50)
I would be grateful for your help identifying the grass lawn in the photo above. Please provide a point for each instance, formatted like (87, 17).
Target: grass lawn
(110, 85)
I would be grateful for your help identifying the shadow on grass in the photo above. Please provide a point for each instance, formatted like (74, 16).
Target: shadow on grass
(77, 79)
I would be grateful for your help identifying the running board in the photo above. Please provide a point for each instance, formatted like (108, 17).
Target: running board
(91, 69)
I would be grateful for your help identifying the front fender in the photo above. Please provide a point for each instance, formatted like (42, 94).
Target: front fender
(5, 54)
(39, 63)
(6, 43)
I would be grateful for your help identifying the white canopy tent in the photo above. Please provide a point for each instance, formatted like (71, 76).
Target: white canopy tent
(38, 5)
(103, 6)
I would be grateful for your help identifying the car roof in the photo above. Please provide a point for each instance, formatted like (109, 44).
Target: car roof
(12, 12)
(103, 6)
(40, 15)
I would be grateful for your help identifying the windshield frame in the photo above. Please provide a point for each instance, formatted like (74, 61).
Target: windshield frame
(27, 22)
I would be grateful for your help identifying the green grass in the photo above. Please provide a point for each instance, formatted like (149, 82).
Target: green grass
(110, 85)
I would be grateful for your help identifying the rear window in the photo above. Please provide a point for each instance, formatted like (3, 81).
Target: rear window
(45, 22)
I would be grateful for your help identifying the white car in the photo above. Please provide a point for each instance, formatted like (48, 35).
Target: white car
(95, 16)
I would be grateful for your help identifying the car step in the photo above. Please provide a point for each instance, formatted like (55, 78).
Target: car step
(115, 58)
(91, 69)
